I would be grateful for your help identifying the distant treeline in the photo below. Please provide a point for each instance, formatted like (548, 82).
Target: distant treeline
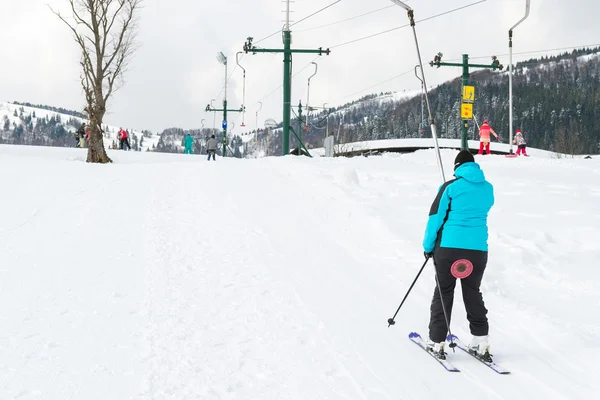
(55, 109)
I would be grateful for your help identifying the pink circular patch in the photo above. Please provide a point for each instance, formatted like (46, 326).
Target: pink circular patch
(461, 269)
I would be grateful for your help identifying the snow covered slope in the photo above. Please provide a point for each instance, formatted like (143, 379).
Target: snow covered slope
(167, 277)
(412, 143)
(111, 134)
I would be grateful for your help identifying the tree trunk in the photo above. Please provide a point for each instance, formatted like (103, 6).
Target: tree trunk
(96, 151)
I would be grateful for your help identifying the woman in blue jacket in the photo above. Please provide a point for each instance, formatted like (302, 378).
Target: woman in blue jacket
(457, 230)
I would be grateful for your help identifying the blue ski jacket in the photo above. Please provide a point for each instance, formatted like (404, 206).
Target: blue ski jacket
(458, 215)
(189, 140)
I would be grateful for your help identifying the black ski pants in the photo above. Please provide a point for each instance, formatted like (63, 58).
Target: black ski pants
(476, 311)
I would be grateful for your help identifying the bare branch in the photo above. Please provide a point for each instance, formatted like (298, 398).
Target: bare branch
(78, 38)
(123, 36)
(77, 17)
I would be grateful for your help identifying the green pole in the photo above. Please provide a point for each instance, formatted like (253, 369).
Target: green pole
(287, 89)
(225, 129)
(437, 61)
(464, 145)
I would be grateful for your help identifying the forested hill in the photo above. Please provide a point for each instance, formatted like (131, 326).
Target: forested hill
(556, 105)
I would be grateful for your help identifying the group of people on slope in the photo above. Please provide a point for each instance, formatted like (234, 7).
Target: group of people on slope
(484, 139)
(82, 137)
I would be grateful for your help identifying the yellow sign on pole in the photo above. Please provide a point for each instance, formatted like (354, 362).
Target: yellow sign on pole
(466, 111)
(469, 93)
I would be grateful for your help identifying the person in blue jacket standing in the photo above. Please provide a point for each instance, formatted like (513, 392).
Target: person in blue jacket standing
(189, 141)
(457, 231)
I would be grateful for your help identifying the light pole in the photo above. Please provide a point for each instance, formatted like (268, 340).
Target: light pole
(422, 124)
(510, 77)
(308, 94)
(411, 17)
(223, 60)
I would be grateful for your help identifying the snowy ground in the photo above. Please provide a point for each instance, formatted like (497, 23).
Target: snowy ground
(167, 277)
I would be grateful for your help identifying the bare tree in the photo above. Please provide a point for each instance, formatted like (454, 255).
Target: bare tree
(105, 32)
(567, 142)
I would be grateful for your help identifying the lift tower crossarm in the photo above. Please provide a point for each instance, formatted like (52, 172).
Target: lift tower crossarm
(287, 76)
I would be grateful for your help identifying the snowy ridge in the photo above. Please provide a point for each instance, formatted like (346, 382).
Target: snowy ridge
(279, 284)
(381, 99)
(548, 65)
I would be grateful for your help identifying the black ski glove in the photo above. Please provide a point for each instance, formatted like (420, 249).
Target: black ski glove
(428, 255)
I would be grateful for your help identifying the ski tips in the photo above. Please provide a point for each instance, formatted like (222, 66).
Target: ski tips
(413, 335)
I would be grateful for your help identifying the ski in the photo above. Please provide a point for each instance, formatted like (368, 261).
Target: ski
(418, 340)
(495, 367)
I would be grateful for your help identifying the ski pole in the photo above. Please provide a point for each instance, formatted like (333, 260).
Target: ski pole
(452, 345)
(391, 320)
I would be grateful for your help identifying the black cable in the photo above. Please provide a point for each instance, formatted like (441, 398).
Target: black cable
(381, 83)
(347, 19)
(404, 26)
(303, 19)
(316, 12)
(293, 76)
(528, 52)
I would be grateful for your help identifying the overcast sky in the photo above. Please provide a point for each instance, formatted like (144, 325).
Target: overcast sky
(175, 74)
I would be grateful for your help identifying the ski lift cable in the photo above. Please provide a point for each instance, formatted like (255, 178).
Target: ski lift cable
(230, 76)
(295, 23)
(347, 19)
(295, 75)
(406, 25)
(316, 12)
(528, 52)
(266, 69)
(531, 52)
(320, 122)
(374, 35)
(381, 83)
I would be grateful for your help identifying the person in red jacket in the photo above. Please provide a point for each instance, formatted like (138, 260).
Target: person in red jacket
(484, 137)
(120, 137)
(123, 139)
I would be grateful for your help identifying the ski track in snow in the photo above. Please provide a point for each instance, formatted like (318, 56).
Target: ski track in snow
(168, 277)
